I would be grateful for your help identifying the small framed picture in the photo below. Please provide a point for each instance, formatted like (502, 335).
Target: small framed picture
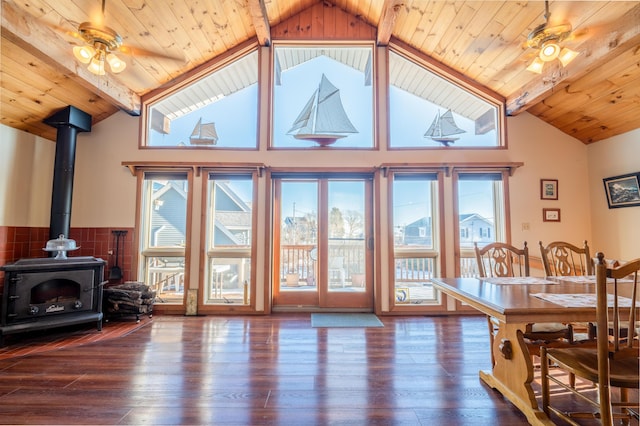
(551, 215)
(548, 189)
(623, 191)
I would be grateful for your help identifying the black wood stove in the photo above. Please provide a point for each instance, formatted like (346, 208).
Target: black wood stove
(53, 292)
(48, 292)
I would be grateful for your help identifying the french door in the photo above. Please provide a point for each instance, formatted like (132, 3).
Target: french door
(323, 242)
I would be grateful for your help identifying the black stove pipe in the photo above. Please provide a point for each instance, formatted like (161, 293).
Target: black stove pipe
(69, 121)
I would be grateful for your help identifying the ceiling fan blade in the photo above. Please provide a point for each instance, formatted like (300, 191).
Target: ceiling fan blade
(136, 51)
(65, 30)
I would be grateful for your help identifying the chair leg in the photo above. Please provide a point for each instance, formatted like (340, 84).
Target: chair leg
(624, 397)
(544, 380)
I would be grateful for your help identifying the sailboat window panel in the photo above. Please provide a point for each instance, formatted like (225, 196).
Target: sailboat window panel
(323, 97)
(220, 110)
(429, 111)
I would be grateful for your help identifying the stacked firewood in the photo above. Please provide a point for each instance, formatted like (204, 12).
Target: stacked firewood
(130, 298)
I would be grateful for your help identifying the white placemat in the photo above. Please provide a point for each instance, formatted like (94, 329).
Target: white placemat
(517, 280)
(580, 300)
(588, 279)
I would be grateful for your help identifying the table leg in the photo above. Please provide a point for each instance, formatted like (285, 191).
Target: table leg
(512, 373)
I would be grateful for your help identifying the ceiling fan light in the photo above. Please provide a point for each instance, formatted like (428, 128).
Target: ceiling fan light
(566, 56)
(84, 53)
(549, 51)
(536, 66)
(96, 66)
(117, 65)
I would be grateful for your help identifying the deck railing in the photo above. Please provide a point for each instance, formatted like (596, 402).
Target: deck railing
(346, 259)
(346, 266)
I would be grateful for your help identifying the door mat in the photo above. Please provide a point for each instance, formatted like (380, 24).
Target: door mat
(345, 320)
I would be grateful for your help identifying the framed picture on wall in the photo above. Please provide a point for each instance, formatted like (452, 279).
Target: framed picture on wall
(551, 215)
(623, 190)
(548, 189)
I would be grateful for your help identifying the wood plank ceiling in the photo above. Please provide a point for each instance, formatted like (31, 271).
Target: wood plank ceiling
(595, 97)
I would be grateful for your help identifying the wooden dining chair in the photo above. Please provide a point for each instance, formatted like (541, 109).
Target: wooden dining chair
(561, 259)
(502, 260)
(505, 260)
(612, 364)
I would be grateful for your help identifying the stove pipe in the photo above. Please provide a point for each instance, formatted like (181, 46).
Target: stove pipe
(69, 121)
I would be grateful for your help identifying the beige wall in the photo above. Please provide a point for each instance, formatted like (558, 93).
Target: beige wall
(616, 232)
(547, 154)
(104, 190)
(26, 176)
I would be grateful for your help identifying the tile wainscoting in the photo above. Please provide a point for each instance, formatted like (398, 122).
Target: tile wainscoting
(19, 242)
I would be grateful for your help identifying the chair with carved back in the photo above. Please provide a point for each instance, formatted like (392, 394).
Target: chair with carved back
(613, 363)
(505, 260)
(561, 259)
(502, 260)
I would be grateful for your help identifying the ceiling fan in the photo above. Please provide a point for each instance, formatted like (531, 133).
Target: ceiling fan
(547, 39)
(100, 43)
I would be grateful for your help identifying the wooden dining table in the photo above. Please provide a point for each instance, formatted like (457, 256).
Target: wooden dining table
(516, 302)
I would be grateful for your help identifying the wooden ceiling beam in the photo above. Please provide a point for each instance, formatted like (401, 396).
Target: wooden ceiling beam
(45, 44)
(260, 20)
(619, 36)
(390, 11)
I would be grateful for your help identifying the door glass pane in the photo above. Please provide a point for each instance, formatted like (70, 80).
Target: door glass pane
(298, 235)
(346, 231)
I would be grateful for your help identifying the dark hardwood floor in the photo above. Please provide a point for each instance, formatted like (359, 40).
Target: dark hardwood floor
(273, 370)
